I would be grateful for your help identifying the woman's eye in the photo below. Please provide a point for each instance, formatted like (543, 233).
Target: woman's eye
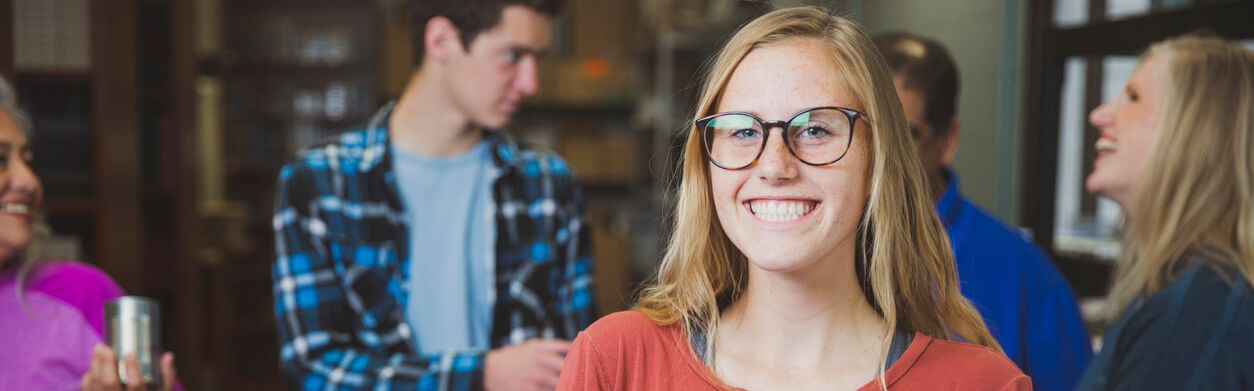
(814, 132)
(745, 133)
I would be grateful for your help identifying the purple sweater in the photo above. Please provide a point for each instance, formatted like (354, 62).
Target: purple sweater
(48, 335)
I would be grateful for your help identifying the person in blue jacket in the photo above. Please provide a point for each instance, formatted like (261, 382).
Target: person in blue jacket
(1026, 302)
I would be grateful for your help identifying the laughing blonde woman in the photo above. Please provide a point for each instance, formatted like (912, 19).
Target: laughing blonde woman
(1175, 153)
(806, 253)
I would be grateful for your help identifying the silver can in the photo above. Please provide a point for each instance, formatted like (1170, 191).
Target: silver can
(133, 326)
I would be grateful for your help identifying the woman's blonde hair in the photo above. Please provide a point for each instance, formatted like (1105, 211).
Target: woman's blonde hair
(905, 265)
(1197, 190)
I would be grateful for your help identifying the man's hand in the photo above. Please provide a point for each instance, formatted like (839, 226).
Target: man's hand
(103, 375)
(529, 366)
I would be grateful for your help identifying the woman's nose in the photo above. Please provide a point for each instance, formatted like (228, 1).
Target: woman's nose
(1100, 117)
(776, 162)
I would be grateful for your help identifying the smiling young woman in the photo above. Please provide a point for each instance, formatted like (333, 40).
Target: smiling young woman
(805, 253)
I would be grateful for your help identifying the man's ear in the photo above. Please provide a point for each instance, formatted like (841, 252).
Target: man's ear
(951, 144)
(441, 39)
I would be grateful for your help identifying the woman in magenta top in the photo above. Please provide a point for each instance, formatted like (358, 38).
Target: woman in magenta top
(51, 313)
(806, 253)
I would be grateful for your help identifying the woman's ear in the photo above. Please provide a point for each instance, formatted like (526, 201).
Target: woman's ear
(441, 39)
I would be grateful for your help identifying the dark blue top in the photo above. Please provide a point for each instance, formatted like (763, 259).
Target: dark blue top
(1024, 300)
(1196, 334)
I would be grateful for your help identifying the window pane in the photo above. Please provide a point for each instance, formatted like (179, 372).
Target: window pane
(1116, 70)
(1085, 224)
(1076, 230)
(1070, 149)
(1070, 13)
(1176, 4)
(1121, 9)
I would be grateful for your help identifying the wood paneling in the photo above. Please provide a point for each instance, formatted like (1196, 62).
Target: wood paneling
(116, 141)
(191, 317)
(6, 38)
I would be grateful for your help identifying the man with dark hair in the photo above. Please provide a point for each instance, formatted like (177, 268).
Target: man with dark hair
(1027, 304)
(429, 251)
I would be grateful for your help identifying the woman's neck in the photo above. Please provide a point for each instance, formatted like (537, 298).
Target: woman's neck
(809, 324)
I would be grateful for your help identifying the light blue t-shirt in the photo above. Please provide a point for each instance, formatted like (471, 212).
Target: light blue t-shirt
(451, 233)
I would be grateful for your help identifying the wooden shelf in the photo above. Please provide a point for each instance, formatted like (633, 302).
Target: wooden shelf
(288, 117)
(286, 4)
(577, 108)
(604, 188)
(155, 93)
(270, 68)
(55, 76)
(158, 191)
(69, 205)
(238, 168)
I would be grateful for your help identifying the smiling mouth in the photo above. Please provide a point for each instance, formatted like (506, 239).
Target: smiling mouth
(781, 210)
(15, 208)
(1104, 146)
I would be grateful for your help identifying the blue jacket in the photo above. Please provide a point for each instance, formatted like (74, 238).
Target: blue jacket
(1024, 300)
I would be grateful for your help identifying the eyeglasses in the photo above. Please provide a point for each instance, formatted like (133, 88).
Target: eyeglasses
(817, 136)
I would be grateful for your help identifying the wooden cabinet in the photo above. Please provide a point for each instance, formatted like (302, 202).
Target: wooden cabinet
(294, 73)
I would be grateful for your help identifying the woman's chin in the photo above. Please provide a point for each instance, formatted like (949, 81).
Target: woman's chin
(1095, 184)
(792, 263)
(11, 248)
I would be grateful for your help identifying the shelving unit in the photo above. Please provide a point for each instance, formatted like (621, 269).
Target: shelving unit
(294, 72)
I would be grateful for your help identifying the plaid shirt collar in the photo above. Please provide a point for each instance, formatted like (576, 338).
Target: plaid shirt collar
(376, 159)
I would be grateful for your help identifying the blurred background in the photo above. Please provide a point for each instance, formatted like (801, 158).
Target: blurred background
(161, 126)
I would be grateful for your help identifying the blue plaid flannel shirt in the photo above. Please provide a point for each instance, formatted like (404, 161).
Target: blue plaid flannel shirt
(341, 272)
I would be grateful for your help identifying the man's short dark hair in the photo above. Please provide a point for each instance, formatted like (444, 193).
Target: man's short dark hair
(924, 65)
(471, 17)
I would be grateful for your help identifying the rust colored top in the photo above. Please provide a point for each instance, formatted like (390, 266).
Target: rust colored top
(625, 351)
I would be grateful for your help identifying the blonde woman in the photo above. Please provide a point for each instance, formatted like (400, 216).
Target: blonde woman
(1175, 153)
(805, 253)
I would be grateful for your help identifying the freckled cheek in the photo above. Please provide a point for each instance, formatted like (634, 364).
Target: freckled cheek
(724, 189)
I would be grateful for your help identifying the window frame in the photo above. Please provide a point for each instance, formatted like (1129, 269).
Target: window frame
(1048, 49)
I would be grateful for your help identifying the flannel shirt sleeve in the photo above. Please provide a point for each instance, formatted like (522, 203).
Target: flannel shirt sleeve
(575, 286)
(324, 343)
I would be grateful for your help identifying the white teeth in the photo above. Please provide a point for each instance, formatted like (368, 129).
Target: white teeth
(15, 208)
(776, 211)
(1104, 145)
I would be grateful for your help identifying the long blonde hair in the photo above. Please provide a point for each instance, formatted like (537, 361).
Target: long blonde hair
(1197, 190)
(905, 265)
